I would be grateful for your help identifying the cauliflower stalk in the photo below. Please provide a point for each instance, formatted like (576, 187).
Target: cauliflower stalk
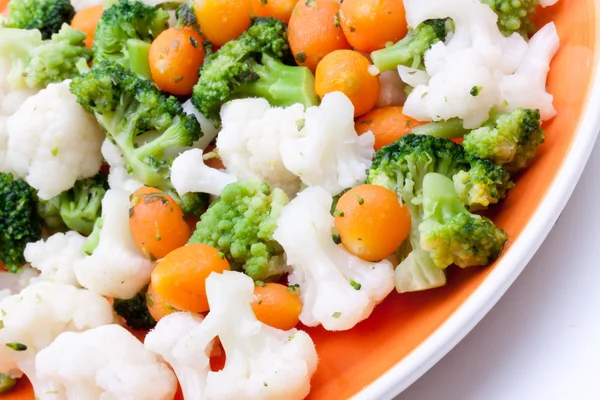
(51, 132)
(115, 267)
(241, 224)
(262, 362)
(32, 319)
(106, 362)
(56, 256)
(118, 177)
(337, 289)
(189, 174)
(288, 146)
(477, 67)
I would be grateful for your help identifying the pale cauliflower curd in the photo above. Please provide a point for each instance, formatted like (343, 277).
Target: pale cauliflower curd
(181, 202)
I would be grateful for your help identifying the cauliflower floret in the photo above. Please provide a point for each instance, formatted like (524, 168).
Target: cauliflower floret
(326, 150)
(209, 130)
(526, 88)
(116, 267)
(55, 257)
(189, 174)
(170, 331)
(337, 289)
(262, 362)
(53, 141)
(13, 283)
(465, 71)
(79, 5)
(249, 142)
(10, 101)
(118, 178)
(104, 363)
(32, 319)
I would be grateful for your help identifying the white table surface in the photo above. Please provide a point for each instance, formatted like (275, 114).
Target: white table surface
(542, 339)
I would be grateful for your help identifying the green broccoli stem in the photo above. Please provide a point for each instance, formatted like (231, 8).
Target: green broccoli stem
(138, 57)
(6, 383)
(79, 210)
(440, 200)
(282, 85)
(449, 129)
(92, 241)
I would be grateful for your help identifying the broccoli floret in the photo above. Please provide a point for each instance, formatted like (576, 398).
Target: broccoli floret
(19, 221)
(49, 212)
(135, 311)
(514, 15)
(241, 224)
(409, 51)
(402, 167)
(124, 33)
(81, 205)
(6, 383)
(47, 16)
(36, 62)
(251, 66)
(450, 233)
(510, 140)
(483, 184)
(143, 122)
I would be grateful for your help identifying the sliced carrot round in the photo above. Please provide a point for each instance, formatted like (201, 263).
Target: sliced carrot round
(277, 305)
(347, 71)
(175, 58)
(157, 306)
(223, 20)
(371, 222)
(388, 124)
(180, 278)
(156, 223)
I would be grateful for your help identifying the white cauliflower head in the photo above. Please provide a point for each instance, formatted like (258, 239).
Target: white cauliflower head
(337, 289)
(33, 318)
(189, 174)
(56, 256)
(325, 149)
(249, 141)
(162, 340)
(118, 177)
(10, 101)
(79, 5)
(527, 86)
(53, 141)
(465, 72)
(116, 267)
(261, 362)
(104, 363)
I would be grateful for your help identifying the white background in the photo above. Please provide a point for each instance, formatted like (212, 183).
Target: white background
(542, 340)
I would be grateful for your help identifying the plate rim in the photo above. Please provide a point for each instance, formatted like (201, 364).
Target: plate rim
(404, 373)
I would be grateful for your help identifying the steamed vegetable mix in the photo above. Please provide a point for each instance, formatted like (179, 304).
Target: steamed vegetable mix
(208, 175)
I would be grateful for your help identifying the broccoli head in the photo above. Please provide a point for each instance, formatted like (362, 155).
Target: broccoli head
(135, 311)
(514, 16)
(47, 16)
(450, 233)
(124, 33)
(81, 205)
(144, 123)
(36, 62)
(19, 221)
(49, 212)
(241, 224)
(410, 50)
(252, 66)
(510, 140)
(403, 167)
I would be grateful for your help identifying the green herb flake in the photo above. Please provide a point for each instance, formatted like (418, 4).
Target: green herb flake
(54, 151)
(336, 314)
(293, 288)
(1, 324)
(263, 1)
(266, 384)
(311, 3)
(300, 57)
(292, 336)
(260, 284)
(338, 213)
(360, 200)
(475, 90)
(336, 20)
(16, 346)
(300, 124)
(355, 284)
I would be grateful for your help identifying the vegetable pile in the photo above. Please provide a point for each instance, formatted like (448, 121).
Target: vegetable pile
(208, 175)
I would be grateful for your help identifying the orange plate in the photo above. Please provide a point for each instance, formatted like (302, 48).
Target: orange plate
(352, 360)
